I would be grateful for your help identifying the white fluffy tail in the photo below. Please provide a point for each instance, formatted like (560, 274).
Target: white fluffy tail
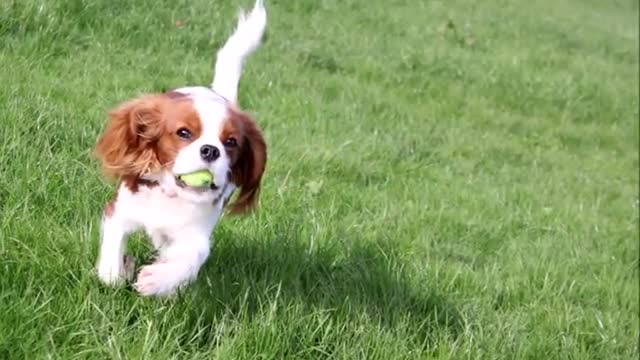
(238, 47)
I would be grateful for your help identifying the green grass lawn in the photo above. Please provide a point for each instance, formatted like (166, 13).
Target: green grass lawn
(447, 179)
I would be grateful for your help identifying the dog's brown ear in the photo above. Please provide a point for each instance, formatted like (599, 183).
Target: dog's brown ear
(250, 165)
(127, 146)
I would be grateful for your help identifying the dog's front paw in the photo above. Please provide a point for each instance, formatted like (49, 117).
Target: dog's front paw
(115, 274)
(161, 279)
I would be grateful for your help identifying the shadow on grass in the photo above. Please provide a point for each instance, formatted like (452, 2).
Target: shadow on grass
(244, 278)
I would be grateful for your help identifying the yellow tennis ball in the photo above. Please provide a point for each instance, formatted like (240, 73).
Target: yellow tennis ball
(200, 178)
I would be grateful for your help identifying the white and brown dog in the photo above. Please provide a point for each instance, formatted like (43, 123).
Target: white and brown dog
(151, 140)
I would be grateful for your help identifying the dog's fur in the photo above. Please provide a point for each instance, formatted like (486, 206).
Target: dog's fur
(150, 141)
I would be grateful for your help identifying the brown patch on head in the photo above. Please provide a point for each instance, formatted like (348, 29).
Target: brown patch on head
(175, 94)
(180, 115)
(246, 148)
(141, 135)
(232, 131)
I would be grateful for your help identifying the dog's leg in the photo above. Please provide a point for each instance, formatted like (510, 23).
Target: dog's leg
(113, 266)
(178, 264)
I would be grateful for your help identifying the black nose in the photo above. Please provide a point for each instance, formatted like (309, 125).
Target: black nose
(209, 153)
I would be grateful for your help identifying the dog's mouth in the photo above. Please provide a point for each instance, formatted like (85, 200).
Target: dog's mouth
(200, 189)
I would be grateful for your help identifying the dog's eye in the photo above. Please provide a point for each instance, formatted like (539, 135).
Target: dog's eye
(231, 142)
(184, 133)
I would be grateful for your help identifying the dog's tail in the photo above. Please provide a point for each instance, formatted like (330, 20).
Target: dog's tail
(238, 47)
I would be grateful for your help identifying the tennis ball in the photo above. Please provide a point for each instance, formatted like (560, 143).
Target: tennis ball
(200, 178)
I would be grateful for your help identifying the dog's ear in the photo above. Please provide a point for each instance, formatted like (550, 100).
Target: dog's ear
(127, 146)
(250, 165)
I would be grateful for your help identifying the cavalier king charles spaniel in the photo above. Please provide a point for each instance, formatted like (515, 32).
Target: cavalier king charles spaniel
(151, 140)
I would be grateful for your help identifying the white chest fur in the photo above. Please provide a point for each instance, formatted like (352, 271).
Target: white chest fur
(155, 211)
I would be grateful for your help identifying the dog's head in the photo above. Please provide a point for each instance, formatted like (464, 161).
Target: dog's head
(162, 136)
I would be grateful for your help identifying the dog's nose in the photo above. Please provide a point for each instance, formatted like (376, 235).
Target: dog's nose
(209, 153)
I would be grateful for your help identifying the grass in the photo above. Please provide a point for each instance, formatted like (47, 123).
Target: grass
(447, 179)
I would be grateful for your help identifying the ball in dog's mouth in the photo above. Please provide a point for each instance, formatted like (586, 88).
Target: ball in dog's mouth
(200, 180)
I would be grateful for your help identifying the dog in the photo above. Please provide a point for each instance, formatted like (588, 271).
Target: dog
(151, 140)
